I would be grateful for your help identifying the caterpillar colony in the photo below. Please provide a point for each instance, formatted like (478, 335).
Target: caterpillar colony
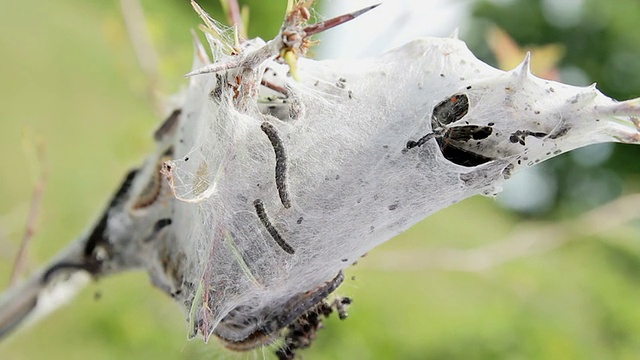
(276, 172)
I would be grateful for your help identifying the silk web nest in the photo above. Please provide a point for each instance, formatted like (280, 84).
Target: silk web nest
(285, 174)
(276, 172)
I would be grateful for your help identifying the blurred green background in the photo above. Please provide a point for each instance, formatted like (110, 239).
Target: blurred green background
(559, 285)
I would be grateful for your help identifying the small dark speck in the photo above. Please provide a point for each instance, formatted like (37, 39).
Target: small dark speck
(537, 112)
(299, 221)
(337, 177)
(186, 159)
(340, 85)
(557, 152)
(344, 260)
(371, 228)
(353, 277)
(316, 83)
(441, 75)
(393, 206)
(385, 146)
(350, 93)
(491, 124)
(519, 161)
(161, 224)
(552, 89)
(342, 80)
(469, 87)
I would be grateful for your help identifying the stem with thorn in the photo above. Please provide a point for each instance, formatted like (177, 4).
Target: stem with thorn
(292, 41)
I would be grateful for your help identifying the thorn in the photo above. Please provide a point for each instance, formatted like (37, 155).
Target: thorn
(525, 66)
(210, 27)
(455, 34)
(220, 66)
(236, 37)
(338, 20)
(584, 96)
(590, 92)
(200, 58)
(523, 71)
(203, 15)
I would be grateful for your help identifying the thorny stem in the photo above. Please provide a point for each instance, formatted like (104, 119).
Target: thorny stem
(292, 40)
(210, 27)
(338, 20)
(58, 281)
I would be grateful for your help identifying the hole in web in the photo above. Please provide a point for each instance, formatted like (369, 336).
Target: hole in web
(448, 112)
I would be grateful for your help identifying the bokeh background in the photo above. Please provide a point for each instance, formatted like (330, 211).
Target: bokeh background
(546, 271)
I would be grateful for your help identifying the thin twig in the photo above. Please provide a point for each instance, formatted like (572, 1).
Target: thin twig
(142, 44)
(7, 230)
(32, 218)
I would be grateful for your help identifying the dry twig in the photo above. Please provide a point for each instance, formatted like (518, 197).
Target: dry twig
(146, 55)
(32, 218)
